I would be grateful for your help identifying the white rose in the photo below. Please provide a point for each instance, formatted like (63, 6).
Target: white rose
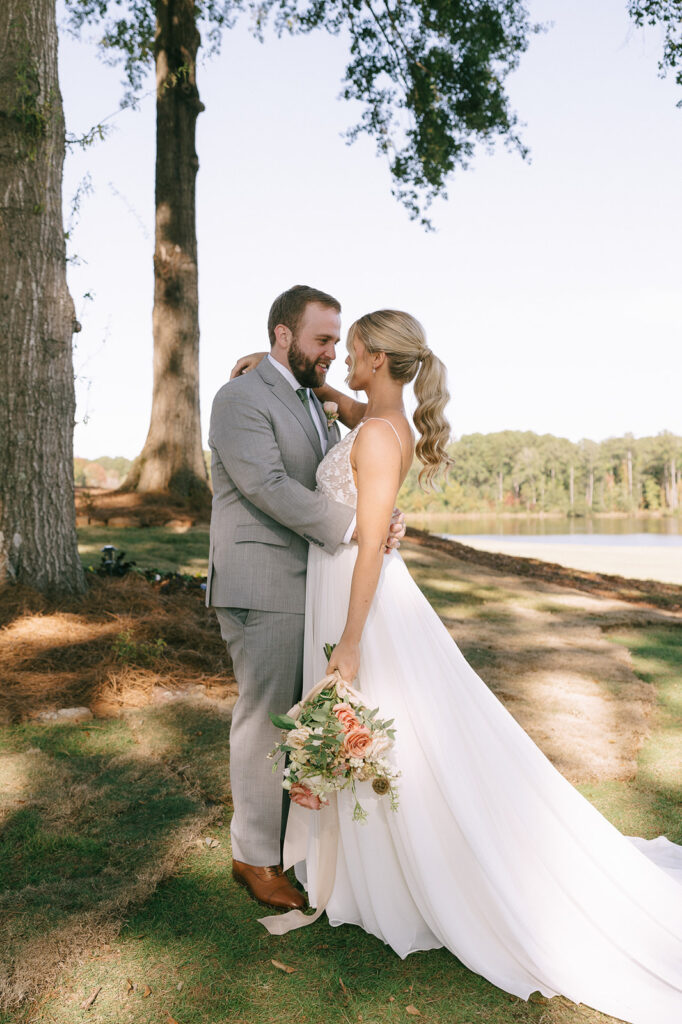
(297, 737)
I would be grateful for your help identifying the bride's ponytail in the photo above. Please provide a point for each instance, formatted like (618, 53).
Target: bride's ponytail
(403, 340)
(430, 390)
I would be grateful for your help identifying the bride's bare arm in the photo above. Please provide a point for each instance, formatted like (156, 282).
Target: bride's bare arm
(378, 462)
(350, 410)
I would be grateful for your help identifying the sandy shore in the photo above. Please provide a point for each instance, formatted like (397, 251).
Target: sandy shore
(642, 563)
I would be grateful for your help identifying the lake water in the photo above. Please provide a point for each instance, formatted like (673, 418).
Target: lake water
(605, 531)
(638, 548)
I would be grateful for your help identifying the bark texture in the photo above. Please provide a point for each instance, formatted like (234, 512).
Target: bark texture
(172, 458)
(37, 405)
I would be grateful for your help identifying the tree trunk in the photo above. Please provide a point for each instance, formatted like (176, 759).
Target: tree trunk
(571, 486)
(37, 404)
(172, 459)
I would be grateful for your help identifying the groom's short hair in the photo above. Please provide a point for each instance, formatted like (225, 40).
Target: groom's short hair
(289, 307)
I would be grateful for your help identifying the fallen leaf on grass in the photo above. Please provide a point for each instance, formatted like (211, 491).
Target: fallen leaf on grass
(282, 967)
(87, 1003)
(147, 992)
(179, 986)
(391, 999)
(412, 1010)
(171, 1020)
(211, 843)
(129, 985)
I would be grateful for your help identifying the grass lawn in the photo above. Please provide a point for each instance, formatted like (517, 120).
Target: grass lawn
(150, 547)
(107, 883)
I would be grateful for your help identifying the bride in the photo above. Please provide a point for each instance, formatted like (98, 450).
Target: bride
(492, 853)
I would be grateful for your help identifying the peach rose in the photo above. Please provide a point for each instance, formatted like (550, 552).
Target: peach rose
(357, 741)
(346, 716)
(331, 411)
(300, 794)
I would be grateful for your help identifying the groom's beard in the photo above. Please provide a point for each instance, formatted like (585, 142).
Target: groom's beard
(305, 370)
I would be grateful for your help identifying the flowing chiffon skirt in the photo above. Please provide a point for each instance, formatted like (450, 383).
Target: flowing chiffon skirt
(492, 853)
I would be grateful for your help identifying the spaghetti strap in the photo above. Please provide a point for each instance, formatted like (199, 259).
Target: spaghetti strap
(382, 420)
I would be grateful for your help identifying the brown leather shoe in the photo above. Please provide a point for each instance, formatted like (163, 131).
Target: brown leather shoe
(268, 885)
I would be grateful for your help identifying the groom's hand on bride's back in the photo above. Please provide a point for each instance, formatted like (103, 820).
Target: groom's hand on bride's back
(396, 531)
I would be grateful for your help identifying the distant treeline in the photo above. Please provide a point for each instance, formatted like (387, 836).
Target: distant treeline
(519, 471)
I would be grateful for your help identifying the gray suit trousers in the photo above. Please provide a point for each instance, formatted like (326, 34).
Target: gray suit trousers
(267, 656)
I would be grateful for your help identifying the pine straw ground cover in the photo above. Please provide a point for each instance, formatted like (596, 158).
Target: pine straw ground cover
(111, 890)
(108, 649)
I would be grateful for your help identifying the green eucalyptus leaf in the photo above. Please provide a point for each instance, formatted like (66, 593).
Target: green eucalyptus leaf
(283, 721)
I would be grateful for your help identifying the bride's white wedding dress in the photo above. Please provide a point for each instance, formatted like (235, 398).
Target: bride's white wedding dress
(492, 853)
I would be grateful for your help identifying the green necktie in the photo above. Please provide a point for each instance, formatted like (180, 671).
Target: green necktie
(303, 395)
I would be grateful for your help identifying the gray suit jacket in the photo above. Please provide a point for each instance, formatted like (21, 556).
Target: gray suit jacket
(264, 455)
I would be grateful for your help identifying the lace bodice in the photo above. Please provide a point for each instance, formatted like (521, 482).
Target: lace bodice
(335, 473)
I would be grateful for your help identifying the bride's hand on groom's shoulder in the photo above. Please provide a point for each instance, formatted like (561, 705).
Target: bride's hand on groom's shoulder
(345, 660)
(246, 363)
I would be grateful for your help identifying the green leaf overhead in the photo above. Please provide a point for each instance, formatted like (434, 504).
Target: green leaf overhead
(431, 77)
(668, 15)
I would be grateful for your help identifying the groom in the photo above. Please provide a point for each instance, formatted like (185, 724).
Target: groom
(267, 436)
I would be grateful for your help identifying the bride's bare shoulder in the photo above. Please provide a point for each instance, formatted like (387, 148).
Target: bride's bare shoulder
(383, 429)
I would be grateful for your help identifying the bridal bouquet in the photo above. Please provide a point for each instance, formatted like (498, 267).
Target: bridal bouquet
(331, 741)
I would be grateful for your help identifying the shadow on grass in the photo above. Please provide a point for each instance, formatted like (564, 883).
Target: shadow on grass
(198, 947)
(95, 816)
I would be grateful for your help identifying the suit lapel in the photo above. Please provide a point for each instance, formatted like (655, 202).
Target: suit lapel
(288, 397)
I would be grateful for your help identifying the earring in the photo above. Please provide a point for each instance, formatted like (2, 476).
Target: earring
(374, 369)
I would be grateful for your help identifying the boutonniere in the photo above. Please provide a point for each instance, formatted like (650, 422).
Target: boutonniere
(331, 411)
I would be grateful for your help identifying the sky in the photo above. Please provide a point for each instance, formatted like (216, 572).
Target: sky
(550, 288)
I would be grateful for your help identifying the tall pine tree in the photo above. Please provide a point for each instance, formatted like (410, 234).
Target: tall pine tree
(37, 405)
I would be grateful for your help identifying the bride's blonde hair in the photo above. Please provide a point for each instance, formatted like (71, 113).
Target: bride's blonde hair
(403, 340)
